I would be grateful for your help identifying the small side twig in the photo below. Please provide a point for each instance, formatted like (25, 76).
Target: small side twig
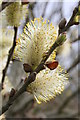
(75, 40)
(74, 64)
(10, 54)
(71, 21)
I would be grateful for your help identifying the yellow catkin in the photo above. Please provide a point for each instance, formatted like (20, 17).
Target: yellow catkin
(31, 48)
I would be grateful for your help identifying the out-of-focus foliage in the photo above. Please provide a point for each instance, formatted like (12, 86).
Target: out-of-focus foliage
(13, 14)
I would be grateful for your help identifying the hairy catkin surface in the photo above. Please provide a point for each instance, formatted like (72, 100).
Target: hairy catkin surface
(35, 41)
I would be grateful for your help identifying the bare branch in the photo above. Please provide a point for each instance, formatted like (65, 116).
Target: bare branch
(10, 54)
(74, 64)
(71, 21)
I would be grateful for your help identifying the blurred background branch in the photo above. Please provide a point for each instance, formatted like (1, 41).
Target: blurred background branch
(10, 55)
(76, 62)
(64, 104)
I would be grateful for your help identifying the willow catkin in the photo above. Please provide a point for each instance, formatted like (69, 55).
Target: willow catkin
(34, 42)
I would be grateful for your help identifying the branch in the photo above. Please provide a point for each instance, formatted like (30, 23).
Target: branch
(32, 76)
(43, 14)
(10, 54)
(30, 79)
(67, 100)
(71, 22)
(74, 64)
(75, 40)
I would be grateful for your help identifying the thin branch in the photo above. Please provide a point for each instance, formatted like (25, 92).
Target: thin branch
(10, 54)
(43, 14)
(30, 14)
(74, 64)
(75, 40)
(31, 77)
(64, 104)
(71, 21)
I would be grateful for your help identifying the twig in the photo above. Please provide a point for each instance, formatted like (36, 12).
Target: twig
(31, 77)
(71, 21)
(43, 14)
(67, 100)
(30, 14)
(74, 64)
(10, 54)
(75, 40)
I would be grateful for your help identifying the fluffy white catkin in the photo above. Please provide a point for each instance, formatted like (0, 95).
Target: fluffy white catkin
(34, 42)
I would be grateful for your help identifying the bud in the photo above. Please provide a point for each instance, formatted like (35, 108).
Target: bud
(61, 39)
(52, 65)
(76, 23)
(75, 11)
(12, 93)
(79, 9)
(62, 23)
(27, 67)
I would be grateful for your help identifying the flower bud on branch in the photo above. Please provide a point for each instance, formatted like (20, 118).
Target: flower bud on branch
(62, 23)
(61, 39)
